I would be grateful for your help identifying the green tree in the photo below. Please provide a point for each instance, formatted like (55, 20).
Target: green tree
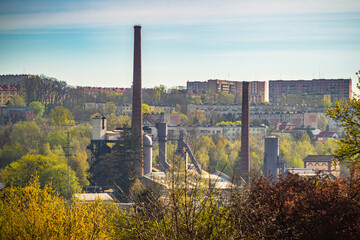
(61, 117)
(322, 123)
(110, 108)
(158, 94)
(121, 166)
(33, 212)
(37, 108)
(347, 114)
(225, 98)
(145, 108)
(29, 135)
(51, 168)
(17, 101)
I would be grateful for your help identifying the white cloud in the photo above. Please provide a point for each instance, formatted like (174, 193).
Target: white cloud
(110, 13)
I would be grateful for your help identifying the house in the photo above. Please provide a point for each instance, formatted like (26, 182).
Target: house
(322, 163)
(324, 136)
(284, 126)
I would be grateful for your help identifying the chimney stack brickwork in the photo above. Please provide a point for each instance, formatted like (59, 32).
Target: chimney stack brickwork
(136, 118)
(242, 166)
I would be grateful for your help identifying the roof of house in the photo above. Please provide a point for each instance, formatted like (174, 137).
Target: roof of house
(7, 87)
(318, 158)
(326, 134)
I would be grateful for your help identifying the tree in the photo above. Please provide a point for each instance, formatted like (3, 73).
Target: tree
(145, 108)
(121, 166)
(61, 117)
(322, 123)
(17, 101)
(33, 212)
(50, 169)
(225, 98)
(347, 114)
(109, 108)
(158, 93)
(37, 108)
(28, 134)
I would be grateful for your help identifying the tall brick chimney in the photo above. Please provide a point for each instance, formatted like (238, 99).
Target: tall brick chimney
(242, 166)
(136, 119)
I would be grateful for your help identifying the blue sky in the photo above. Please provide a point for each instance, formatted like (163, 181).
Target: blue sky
(90, 43)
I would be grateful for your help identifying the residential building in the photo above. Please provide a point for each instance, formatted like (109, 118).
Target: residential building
(322, 163)
(232, 132)
(7, 92)
(324, 136)
(13, 79)
(14, 114)
(257, 88)
(337, 88)
(271, 114)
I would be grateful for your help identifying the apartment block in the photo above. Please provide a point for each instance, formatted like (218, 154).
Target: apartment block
(257, 88)
(337, 88)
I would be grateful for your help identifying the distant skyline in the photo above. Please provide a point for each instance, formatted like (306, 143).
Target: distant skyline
(90, 43)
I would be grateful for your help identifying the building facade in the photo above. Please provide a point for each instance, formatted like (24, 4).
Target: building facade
(7, 92)
(257, 88)
(337, 88)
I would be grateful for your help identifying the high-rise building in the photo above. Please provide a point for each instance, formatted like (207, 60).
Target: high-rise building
(257, 89)
(337, 88)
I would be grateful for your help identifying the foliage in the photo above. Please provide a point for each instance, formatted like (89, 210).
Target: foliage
(297, 208)
(293, 151)
(225, 98)
(38, 213)
(122, 166)
(49, 169)
(158, 94)
(187, 213)
(145, 108)
(322, 123)
(61, 117)
(46, 90)
(37, 108)
(17, 101)
(109, 108)
(227, 123)
(114, 121)
(347, 114)
(28, 134)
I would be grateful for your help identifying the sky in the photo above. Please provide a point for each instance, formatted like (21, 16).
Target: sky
(90, 43)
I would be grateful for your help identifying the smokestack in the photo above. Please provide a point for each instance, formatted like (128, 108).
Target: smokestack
(271, 157)
(136, 119)
(242, 167)
(162, 135)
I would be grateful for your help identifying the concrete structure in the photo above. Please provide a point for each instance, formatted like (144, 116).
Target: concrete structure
(299, 116)
(147, 154)
(271, 157)
(257, 91)
(337, 88)
(307, 99)
(99, 128)
(162, 135)
(322, 163)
